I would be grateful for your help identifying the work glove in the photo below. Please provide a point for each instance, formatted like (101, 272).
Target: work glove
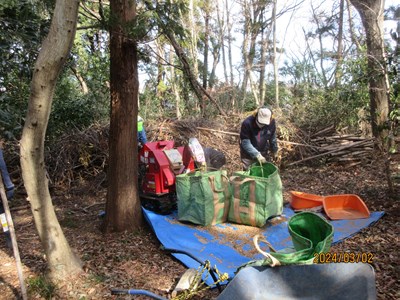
(274, 156)
(261, 159)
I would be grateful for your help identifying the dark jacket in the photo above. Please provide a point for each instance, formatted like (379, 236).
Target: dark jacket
(255, 140)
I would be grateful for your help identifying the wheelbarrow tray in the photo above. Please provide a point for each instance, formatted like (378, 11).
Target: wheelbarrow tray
(345, 206)
(317, 281)
(301, 200)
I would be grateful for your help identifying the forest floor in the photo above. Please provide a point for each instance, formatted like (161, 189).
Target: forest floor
(135, 260)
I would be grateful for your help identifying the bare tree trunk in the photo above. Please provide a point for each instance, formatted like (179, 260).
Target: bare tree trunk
(263, 64)
(321, 48)
(82, 81)
(221, 32)
(160, 89)
(216, 55)
(250, 61)
(123, 211)
(245, 54)
(250, 65)
(254, 89)
(338, 72)
(198, 88)
(275, 59)
(254, 26)
(217, 42)
(173, 83)
(206, 40)
(351, 26)
(193, 39)
(62, 262)
(206, 48)
(371, 12)
(180, 53)
(229, 25)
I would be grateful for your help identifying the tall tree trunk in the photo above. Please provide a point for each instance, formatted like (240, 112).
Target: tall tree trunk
(193, 39)
(206, 44)
(206, 48)
(321, 48)
(245, 53)
(174, 85)
(229, 24)
(160, 88)
(263, 64)
(123, 211)
(216, 55)
(62, 262)
(254, 25)
(216, 41)
(82, 81)
(275, 60)
(339, 53)
(197, 88)
(180, 53)
(351, 26)
(250, 64)
(221, 32)
(371, 12)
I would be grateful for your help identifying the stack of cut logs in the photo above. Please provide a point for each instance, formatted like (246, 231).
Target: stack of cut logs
(340, 148)
(345, 148)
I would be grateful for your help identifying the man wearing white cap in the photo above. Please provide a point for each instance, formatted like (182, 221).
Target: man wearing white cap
(258, 137)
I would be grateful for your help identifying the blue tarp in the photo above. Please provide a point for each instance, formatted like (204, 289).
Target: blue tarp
(227, 246)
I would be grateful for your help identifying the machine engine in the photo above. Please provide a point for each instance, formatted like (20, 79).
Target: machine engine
(159, 163)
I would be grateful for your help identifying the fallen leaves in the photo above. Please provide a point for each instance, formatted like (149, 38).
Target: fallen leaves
(135, 260)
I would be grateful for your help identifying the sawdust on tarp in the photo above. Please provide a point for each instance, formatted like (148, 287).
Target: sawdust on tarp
(236, 236)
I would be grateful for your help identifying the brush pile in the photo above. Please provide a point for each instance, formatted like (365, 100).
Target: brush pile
(81, 157)
(332, 147)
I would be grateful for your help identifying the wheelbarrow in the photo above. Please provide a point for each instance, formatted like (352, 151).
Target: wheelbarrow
(317, 281)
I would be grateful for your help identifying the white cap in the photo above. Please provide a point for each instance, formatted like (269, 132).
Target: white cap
(264, 116)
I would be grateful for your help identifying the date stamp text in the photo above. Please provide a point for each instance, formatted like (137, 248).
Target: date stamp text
(343, 257)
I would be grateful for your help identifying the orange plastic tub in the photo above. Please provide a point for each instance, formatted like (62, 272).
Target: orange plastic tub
(346, 207)
(302, 200)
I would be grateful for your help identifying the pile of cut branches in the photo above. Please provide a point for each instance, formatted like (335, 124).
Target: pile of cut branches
(333, 147)
(79, 156)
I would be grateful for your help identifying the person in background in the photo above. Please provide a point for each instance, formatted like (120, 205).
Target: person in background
(9, 189)
(258, 138)
(141, 135)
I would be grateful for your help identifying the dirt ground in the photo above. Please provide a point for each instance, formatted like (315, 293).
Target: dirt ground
(135, 260)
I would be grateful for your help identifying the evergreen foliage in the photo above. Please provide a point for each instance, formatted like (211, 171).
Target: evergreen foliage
(307, 93)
